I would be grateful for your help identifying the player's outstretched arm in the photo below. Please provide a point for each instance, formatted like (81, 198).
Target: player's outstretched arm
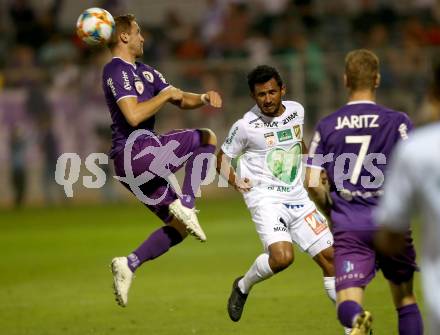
(193, 100)
(305, 150)
(137, 112)
(227, 171)
(316, 183)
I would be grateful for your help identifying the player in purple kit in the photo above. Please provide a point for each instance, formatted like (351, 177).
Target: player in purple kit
(134, 93)
(350, 148)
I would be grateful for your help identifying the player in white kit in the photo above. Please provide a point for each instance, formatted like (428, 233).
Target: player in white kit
(269, 141)
(413, 182)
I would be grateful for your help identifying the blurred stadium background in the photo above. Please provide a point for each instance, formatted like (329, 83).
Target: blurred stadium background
(51, 100)
(55, 251)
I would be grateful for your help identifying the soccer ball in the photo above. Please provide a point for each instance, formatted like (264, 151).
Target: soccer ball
(95, 26)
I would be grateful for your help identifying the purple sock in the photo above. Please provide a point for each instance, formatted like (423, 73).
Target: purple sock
(196, 173)
(347, 310)
(410, 320)
(157, 244)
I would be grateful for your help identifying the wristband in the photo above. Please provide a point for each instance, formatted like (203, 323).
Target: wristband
(204, 98)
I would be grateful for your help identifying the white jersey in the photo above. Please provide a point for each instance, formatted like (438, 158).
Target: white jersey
(271, 155)
(413, 182)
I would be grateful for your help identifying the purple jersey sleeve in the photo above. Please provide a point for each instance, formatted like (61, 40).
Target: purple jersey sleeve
(404, 126)
(119, 79)
(160, 82)
(317, 151)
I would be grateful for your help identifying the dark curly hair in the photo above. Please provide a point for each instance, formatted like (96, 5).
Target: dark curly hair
(262, 74)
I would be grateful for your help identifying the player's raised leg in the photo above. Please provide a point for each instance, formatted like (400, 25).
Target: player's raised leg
(161, 240)
(196, 170)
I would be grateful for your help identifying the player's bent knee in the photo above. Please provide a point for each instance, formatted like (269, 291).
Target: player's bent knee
(280, 261)
(208, 136)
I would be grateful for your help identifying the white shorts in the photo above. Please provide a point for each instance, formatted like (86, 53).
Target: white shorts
(301, 224)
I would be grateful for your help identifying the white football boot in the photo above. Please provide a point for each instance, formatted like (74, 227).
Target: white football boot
(188, 216)
(122, 278)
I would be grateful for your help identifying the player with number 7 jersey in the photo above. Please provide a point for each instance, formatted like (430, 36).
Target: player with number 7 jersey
(351, 148)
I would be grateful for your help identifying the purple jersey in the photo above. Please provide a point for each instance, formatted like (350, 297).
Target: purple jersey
(122, 79)
(353, 145)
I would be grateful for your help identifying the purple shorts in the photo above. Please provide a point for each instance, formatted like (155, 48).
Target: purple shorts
(356, 260)
(164, 157)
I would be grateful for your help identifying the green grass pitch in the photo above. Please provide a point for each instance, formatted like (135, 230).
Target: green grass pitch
(54, 277)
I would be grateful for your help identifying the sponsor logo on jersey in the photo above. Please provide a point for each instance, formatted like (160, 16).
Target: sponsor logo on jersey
(139, 86)
(284, 164)
(403, 130)
(127, 85)
(289, 118)
(273, 124)
(357, 121)
(316, 222)
(254, 120)
(346, 194)
(297, 131)
(349, 195)
(230, 138)
(282, 189)
(161, 77)
(270, 139)
(148, 76)
(284, 135)
(112, 86)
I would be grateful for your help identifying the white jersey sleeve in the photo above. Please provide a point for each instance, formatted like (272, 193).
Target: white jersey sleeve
(236, 141)
(396, 203)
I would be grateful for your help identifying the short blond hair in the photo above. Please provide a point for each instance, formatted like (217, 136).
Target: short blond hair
(123, 24)
(361, 69)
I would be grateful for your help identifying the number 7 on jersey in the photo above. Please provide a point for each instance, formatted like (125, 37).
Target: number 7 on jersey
(364, 141)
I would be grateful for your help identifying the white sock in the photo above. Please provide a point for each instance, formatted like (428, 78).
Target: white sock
(259, 271)
(329, 285)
